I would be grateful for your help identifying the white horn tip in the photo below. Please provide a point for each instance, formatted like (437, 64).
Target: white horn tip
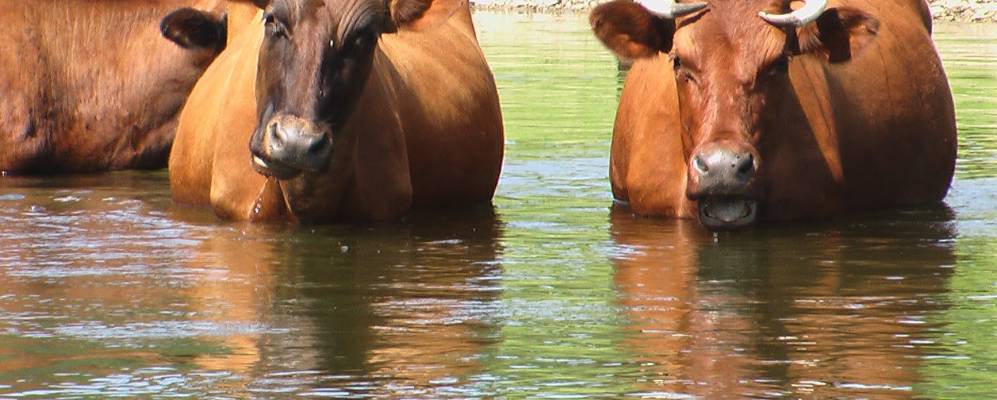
(810, 11)
(669, 9)
(781, 19)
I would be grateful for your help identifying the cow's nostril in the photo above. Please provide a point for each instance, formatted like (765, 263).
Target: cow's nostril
(277, 135)
(746, 165)
(700, 165)
(319, 146)
(722, 169)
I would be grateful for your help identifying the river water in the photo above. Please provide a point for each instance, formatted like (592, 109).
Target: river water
(108, 289)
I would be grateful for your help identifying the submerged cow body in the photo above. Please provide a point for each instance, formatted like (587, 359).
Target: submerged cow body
(742, 111)
(91, 85)
(342, 110)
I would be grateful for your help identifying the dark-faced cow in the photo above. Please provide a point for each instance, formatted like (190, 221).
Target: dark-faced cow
(343, 109)
(749, 110)
(91, 85)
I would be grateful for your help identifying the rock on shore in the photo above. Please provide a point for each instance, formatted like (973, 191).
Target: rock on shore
(964, 10)
(942, 10)
(542, 6)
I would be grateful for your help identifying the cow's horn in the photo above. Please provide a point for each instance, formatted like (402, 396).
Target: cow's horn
(669, 9)
(805, 15)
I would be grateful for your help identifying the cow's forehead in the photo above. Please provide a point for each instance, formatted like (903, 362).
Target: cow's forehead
(731, 30)
(748, 6)
(297, 8)
(333, 17)
(303, 9)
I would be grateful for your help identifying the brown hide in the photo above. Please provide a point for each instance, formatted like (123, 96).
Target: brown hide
(426, 131)
(222, 102)
(867, 124)
(91, 85)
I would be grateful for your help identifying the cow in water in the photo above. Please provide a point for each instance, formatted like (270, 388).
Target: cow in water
(91, 85)
(342, 110)
(748, 110)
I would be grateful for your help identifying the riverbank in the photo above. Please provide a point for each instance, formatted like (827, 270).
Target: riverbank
(964, 10)
(979, 11)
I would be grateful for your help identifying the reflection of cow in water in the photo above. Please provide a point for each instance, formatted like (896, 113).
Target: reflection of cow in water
(791, 312)
(403, 306)
(91, 85)
(736, 112)
(409, 303)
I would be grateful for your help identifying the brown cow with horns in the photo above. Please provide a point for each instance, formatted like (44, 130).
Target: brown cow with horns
(744, 110)
(342, 109)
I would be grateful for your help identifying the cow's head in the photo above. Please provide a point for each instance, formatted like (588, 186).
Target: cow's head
(313, 66)
(731, 61)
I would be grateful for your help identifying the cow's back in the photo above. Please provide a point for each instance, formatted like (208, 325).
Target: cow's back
(90, 85)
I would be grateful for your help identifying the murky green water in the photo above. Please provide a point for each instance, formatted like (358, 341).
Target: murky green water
(107, 289)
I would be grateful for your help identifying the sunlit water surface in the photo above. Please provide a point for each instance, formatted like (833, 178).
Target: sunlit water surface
(108, 289)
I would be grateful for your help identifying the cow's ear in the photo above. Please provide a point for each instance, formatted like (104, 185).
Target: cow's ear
(190, 28)
(630, 31)
(839, 34)
(416, 15)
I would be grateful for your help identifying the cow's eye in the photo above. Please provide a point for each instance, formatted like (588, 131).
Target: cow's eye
(681, 72)
(362, 40)
(273, 25)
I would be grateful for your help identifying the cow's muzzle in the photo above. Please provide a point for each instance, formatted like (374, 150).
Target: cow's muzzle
(287, 146)
(723, 180)
(727, 212)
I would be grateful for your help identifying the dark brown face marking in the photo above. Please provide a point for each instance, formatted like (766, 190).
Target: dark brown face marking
(313, 65)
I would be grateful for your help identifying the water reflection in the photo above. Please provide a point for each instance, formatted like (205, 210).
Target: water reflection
(384, 310)
(102, 295)
(236, 294)
(826, 310)
(82, 269)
